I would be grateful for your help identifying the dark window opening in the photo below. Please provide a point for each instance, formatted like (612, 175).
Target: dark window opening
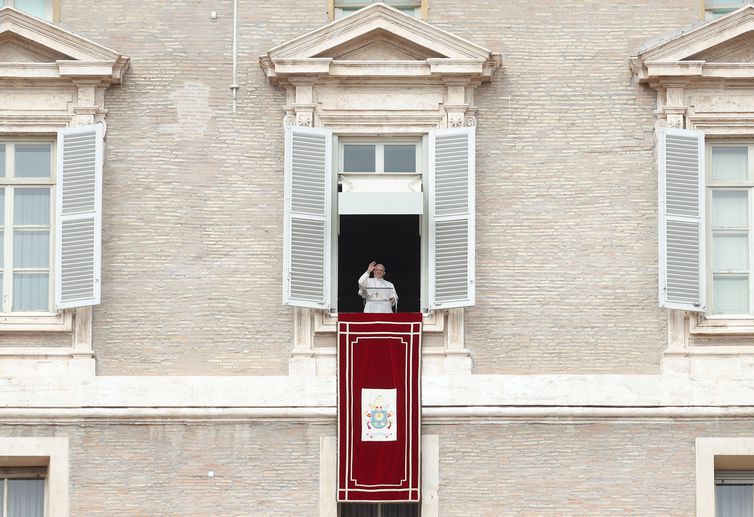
(391, 240)
(378, 510)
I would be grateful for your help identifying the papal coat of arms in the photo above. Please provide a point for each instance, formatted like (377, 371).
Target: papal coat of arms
(378, 415)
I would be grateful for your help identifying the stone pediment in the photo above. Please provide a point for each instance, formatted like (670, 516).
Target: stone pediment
(380, 45)
(717, 49)
(379, 41)
(35, 49)
(737, 50)
(14, 49)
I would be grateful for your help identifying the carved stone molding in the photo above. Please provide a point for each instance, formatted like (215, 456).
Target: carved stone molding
(379, 72)
(455, 120)
(304, 119)
(675, 121)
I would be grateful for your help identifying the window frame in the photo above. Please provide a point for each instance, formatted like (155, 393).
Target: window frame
(422, 148)
(335, 12)
(708, 450)
(51, 452)
(52, 9)
(9, 184)
(710, 185)
(380, 142)
(710, 9)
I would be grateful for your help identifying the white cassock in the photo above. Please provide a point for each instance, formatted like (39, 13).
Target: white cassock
(377, 293)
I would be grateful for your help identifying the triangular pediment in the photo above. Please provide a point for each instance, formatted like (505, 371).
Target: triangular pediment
(715, 40)
(29, 40)
(14, 49)
(737, 50)
(394, 42)
(380, 45)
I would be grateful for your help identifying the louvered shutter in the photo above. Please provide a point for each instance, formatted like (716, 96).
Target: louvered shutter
(78, 218)
(681, 219)
(451, 218)
(308, 220)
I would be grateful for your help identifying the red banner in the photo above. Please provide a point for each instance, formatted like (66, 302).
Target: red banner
(379, 407)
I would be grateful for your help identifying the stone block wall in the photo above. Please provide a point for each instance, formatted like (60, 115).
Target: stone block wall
(566, 187)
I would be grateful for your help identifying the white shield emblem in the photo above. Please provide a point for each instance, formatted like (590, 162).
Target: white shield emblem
(378, 418)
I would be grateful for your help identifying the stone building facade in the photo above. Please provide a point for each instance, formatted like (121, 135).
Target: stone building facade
(561, 387)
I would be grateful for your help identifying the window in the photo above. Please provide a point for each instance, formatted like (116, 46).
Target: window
(378, 510)
(34, 477)
(341, 8)
(382, 183)
(716, 8)
(386, 156)
(22, 491)
(39, 8)
(26, 197)
(724, 477)
(730, 184)
(734, 494)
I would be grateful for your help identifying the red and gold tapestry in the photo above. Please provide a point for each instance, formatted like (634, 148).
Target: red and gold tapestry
(379, 407)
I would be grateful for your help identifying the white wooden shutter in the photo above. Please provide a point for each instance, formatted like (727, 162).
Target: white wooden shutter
(681, 219)
(308, 219)
(78, 220)
(451, 218)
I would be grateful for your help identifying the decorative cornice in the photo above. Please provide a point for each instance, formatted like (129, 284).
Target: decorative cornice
(87, 59)
(676, 56)
(307, 55)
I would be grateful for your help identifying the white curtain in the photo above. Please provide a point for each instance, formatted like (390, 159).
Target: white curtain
(734, 501)
(31, 249)
(26, 497)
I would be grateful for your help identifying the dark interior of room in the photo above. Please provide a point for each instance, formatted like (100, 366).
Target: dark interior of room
(391, 240)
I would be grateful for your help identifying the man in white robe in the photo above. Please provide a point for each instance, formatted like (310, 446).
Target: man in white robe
(380, 294)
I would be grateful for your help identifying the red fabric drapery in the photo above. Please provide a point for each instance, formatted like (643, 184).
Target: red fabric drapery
(379, 407)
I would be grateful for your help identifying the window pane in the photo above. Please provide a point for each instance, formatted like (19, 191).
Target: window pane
(730, 294)
(400, 510)
(361, 3)
(32, 206)
(733, 501)
(731, 252)
(2, 206)
(358, 158)
(2, 160)
(31, 249)
(30, 292)
(36, 8)
(26, 497)
(730, 209)
(358, 510)
(729, 163)
(33, 160)
(400, 158)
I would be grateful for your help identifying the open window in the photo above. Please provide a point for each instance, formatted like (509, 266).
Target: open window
(380, 120)
(388, 206)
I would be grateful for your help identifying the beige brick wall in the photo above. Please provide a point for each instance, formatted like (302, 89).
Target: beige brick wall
(596, 469)
(193, 194)
(272, 469)
(161, 470)
(566, 186)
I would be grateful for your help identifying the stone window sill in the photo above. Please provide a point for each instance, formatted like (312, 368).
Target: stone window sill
(61, 321)
(710, 327)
